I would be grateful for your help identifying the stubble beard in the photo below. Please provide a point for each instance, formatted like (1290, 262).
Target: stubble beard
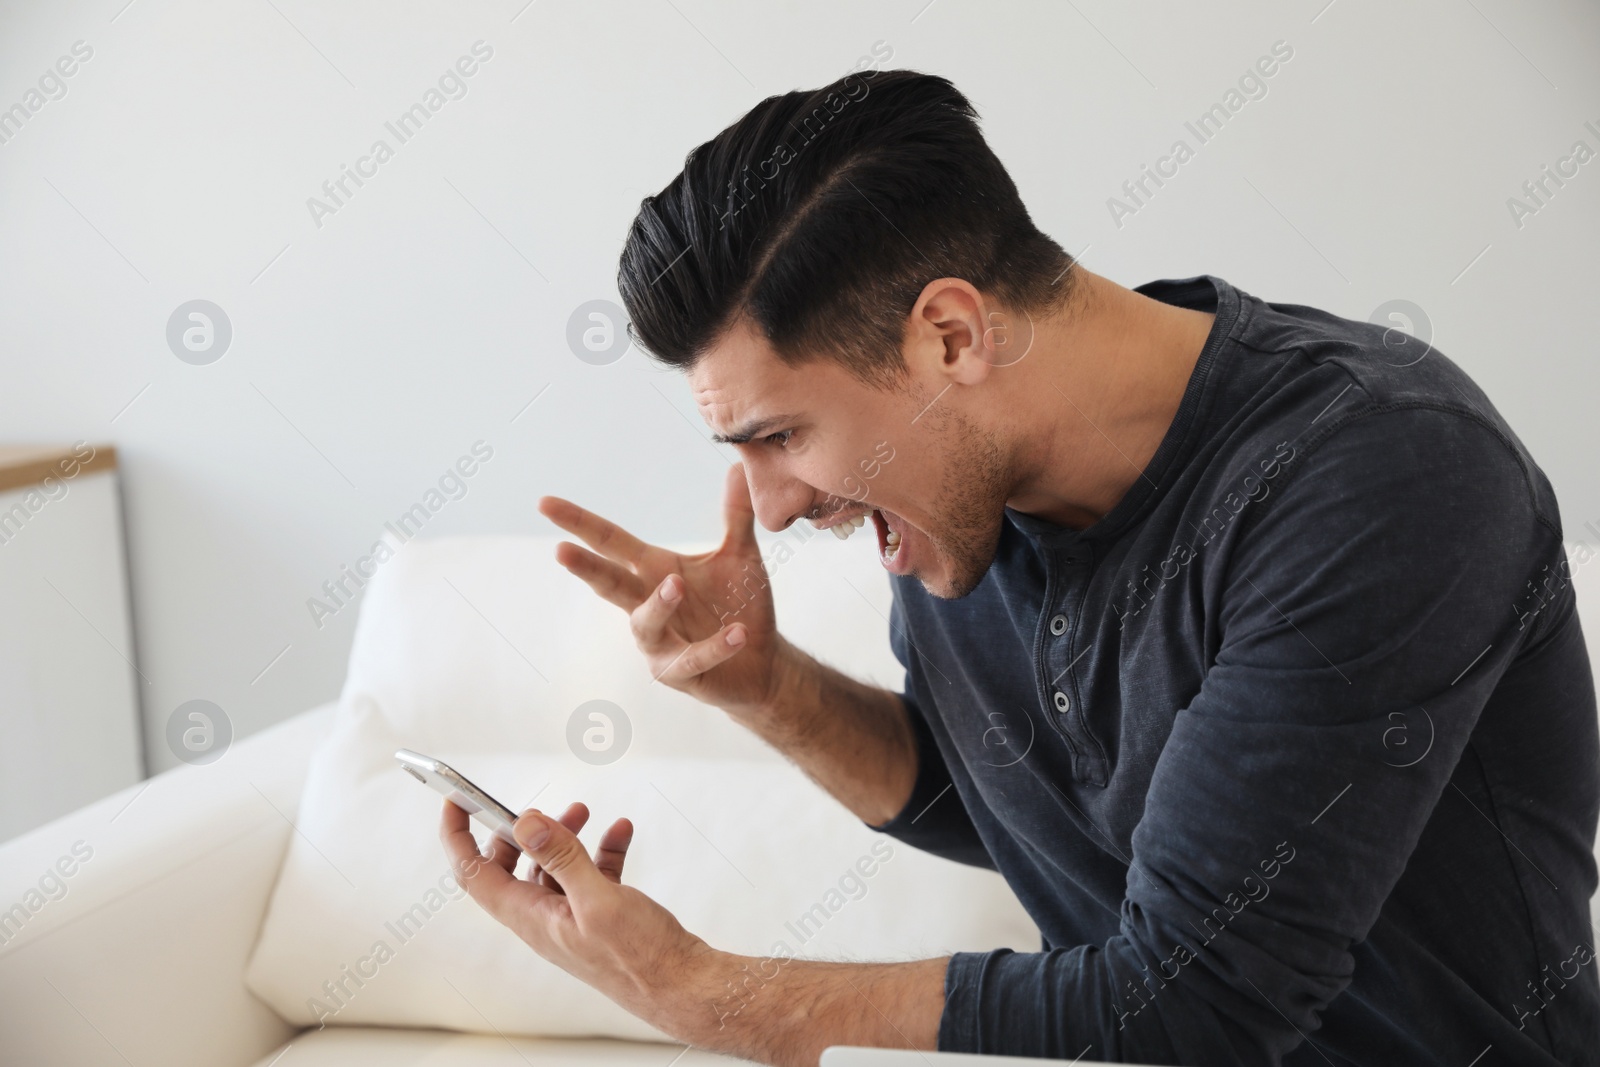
(970, 508)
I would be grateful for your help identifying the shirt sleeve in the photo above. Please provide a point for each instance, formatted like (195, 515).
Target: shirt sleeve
(1365, 616)
(934, 819)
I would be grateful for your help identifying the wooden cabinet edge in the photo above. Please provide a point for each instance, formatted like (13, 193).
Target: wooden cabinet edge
(22, 466)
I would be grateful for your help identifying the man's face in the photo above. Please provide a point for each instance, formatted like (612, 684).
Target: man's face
(827, 447)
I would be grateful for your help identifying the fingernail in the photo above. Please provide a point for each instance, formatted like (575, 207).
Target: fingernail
(669, 590)
(736, 636)
(534, 836)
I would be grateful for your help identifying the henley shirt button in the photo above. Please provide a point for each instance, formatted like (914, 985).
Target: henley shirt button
(1058, 625)
(1062, 703)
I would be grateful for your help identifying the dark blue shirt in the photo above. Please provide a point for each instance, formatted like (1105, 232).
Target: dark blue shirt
(1292, 756)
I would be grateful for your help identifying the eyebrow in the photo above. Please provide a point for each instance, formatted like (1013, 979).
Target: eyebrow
(754, 429)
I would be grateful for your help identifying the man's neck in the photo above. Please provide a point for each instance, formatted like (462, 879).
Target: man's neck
(1096, 397)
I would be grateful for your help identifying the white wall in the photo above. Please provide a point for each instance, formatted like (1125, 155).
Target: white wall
(371, 352)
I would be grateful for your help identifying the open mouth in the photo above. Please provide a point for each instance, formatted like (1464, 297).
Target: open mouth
(890, 537)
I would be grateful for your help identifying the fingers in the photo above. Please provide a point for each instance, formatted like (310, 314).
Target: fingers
(738, 514)
(673, 659)
(505, 853)
(553, 844)
(695, 659)
(453, 821)
(614, 849)
(574, 818)
(485, 880)
(608, 857)
(559, 852)
(610, 581)
(649, 620)
(602, 535)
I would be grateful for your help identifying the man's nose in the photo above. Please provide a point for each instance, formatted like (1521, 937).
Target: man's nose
(778, 500)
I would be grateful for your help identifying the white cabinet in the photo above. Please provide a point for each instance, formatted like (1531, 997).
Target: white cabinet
(69, 687)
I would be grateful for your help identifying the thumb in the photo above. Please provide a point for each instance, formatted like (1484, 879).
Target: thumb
(558, 850)
(738, 513)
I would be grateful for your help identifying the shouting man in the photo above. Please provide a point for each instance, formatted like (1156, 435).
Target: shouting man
(1238, 636)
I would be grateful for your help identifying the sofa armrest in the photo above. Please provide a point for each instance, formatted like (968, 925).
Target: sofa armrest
(125, 926)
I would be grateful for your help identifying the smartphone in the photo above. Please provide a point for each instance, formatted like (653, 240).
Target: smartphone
(454, 787)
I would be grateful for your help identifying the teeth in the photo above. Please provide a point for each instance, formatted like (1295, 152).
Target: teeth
(891, 543)
(849, 526)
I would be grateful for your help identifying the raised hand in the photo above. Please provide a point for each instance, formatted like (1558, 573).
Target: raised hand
(704, 622)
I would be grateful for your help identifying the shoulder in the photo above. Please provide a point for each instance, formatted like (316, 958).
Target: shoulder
(1392, 520)
(1378, 400)
(1389, 360)
(1421, 462)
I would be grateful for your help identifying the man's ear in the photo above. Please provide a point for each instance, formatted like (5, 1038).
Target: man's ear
(955, 330)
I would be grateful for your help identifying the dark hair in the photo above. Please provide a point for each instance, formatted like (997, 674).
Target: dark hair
(821, 215)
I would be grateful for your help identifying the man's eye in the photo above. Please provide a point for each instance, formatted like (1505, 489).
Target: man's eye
(780, 438)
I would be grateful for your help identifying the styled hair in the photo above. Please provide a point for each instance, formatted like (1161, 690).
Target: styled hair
(821, 215)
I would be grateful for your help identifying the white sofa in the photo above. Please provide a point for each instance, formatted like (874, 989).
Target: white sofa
(139, 958)
(147, 915)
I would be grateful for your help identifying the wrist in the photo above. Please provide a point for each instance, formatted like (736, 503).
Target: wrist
(706, 998)
(784, 1010)
(782, 684)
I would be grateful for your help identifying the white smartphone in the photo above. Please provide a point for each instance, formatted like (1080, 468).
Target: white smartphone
(454, 787)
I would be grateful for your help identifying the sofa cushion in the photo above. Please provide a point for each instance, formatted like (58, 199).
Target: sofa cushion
(365, 926)
(349, 1046)
(354, 1046)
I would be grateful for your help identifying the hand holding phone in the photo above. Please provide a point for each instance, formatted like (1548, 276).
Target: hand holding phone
(456, 788)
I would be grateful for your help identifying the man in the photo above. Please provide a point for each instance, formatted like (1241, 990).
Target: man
(1238, 636)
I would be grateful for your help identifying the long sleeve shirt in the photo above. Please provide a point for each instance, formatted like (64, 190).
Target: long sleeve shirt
(1292, 756)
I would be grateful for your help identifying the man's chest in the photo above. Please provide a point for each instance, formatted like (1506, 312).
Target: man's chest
(1050, 704)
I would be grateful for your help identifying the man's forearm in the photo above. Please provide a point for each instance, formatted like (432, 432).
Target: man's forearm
(853, 739)
(785, 1011)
